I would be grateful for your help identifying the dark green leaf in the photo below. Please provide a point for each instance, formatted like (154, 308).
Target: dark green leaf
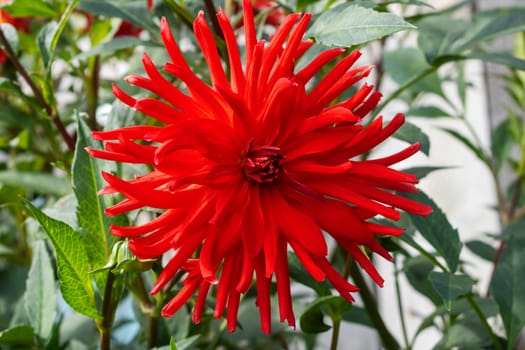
(437, 34)
(416, 271)
(87, 181)
(10, 34)
(427, 112)
(501, 143)
(411, 134)
(41, 297)
(478, 152)
(130, 11)
(311, 320)
(437, 230)
(481, 249)
(515, 229)
(358, 315)
(499, 58)
(72, 263)
(422, 171)
(449, 286)
(348, 25)
(508, 287)
(17, 336)
(464, 334)
(404, 64)
(114, 45)
(37, 182)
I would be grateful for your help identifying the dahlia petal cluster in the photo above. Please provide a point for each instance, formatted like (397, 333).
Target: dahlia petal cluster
(254, 165)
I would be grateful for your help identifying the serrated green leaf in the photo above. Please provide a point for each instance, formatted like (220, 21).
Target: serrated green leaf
(10, 34)
(411, 134)
(114, 45)
(427, 112)
(449, 286)
(87, 181)
(40, 299)
(508, 287)
(311, 320)
(38, 182)
(72, 263)
(481, 249)
(347, 25)
(407, 63)
(437, 230)
(17, 336)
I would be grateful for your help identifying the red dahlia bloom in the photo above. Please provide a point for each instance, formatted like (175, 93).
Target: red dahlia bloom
(254, 165)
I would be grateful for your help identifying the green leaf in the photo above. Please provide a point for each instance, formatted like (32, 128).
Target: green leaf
(130, 11)
(358, 315)
(464, 334)
(411, 134)
(437, 230)
(481, 249)
(10, 34)
(72, 263)
(449, 286)
(94, 225)
(406, 63)
(45, 39)
(422, 171)
(508, 287)
(428, 112)
(499, 58)
(348, 25)
(41, 298)
(501, 144)
(31, 8)
(115, 44)
(416, 270)
(311, 320)
(18, 336)
(38, 182)
(478, 152)
(491, 24)
(437, 35)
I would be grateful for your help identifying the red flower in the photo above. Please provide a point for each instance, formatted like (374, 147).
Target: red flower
(254, 165)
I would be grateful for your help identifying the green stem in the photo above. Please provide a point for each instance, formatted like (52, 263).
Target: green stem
(185, 16)
(400, 304)
(108, 313)
(402, 88)
(477, 310)
(93, 84)
(335, 333)
(388, 340)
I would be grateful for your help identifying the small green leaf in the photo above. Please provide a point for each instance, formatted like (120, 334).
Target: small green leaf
(478, 152)
(38, 182)
(464, 334)
(427, 112)
(358, 315)
(437, 34)
(18, 336)
(72, 263)
(11, 35)
(411, 134)
(508, 287)
(41, 298)
(499, 58)
(311, 320)
(45, 39)
(422, 171)
(349, 25)
(481, 249)
(437, 230)
(501, 144)
(449, 286)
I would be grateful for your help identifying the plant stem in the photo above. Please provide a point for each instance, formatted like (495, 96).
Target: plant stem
(335, 333)
(93, 83)
(389, 342)
(153, 326)
(210, 9)
(50, 111)
(400, 304)
(108, 311)
(477, 310)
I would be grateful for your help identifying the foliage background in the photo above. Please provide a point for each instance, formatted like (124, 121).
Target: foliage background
(56, 256)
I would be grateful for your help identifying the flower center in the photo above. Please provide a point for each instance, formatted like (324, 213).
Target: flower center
(262, 164)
